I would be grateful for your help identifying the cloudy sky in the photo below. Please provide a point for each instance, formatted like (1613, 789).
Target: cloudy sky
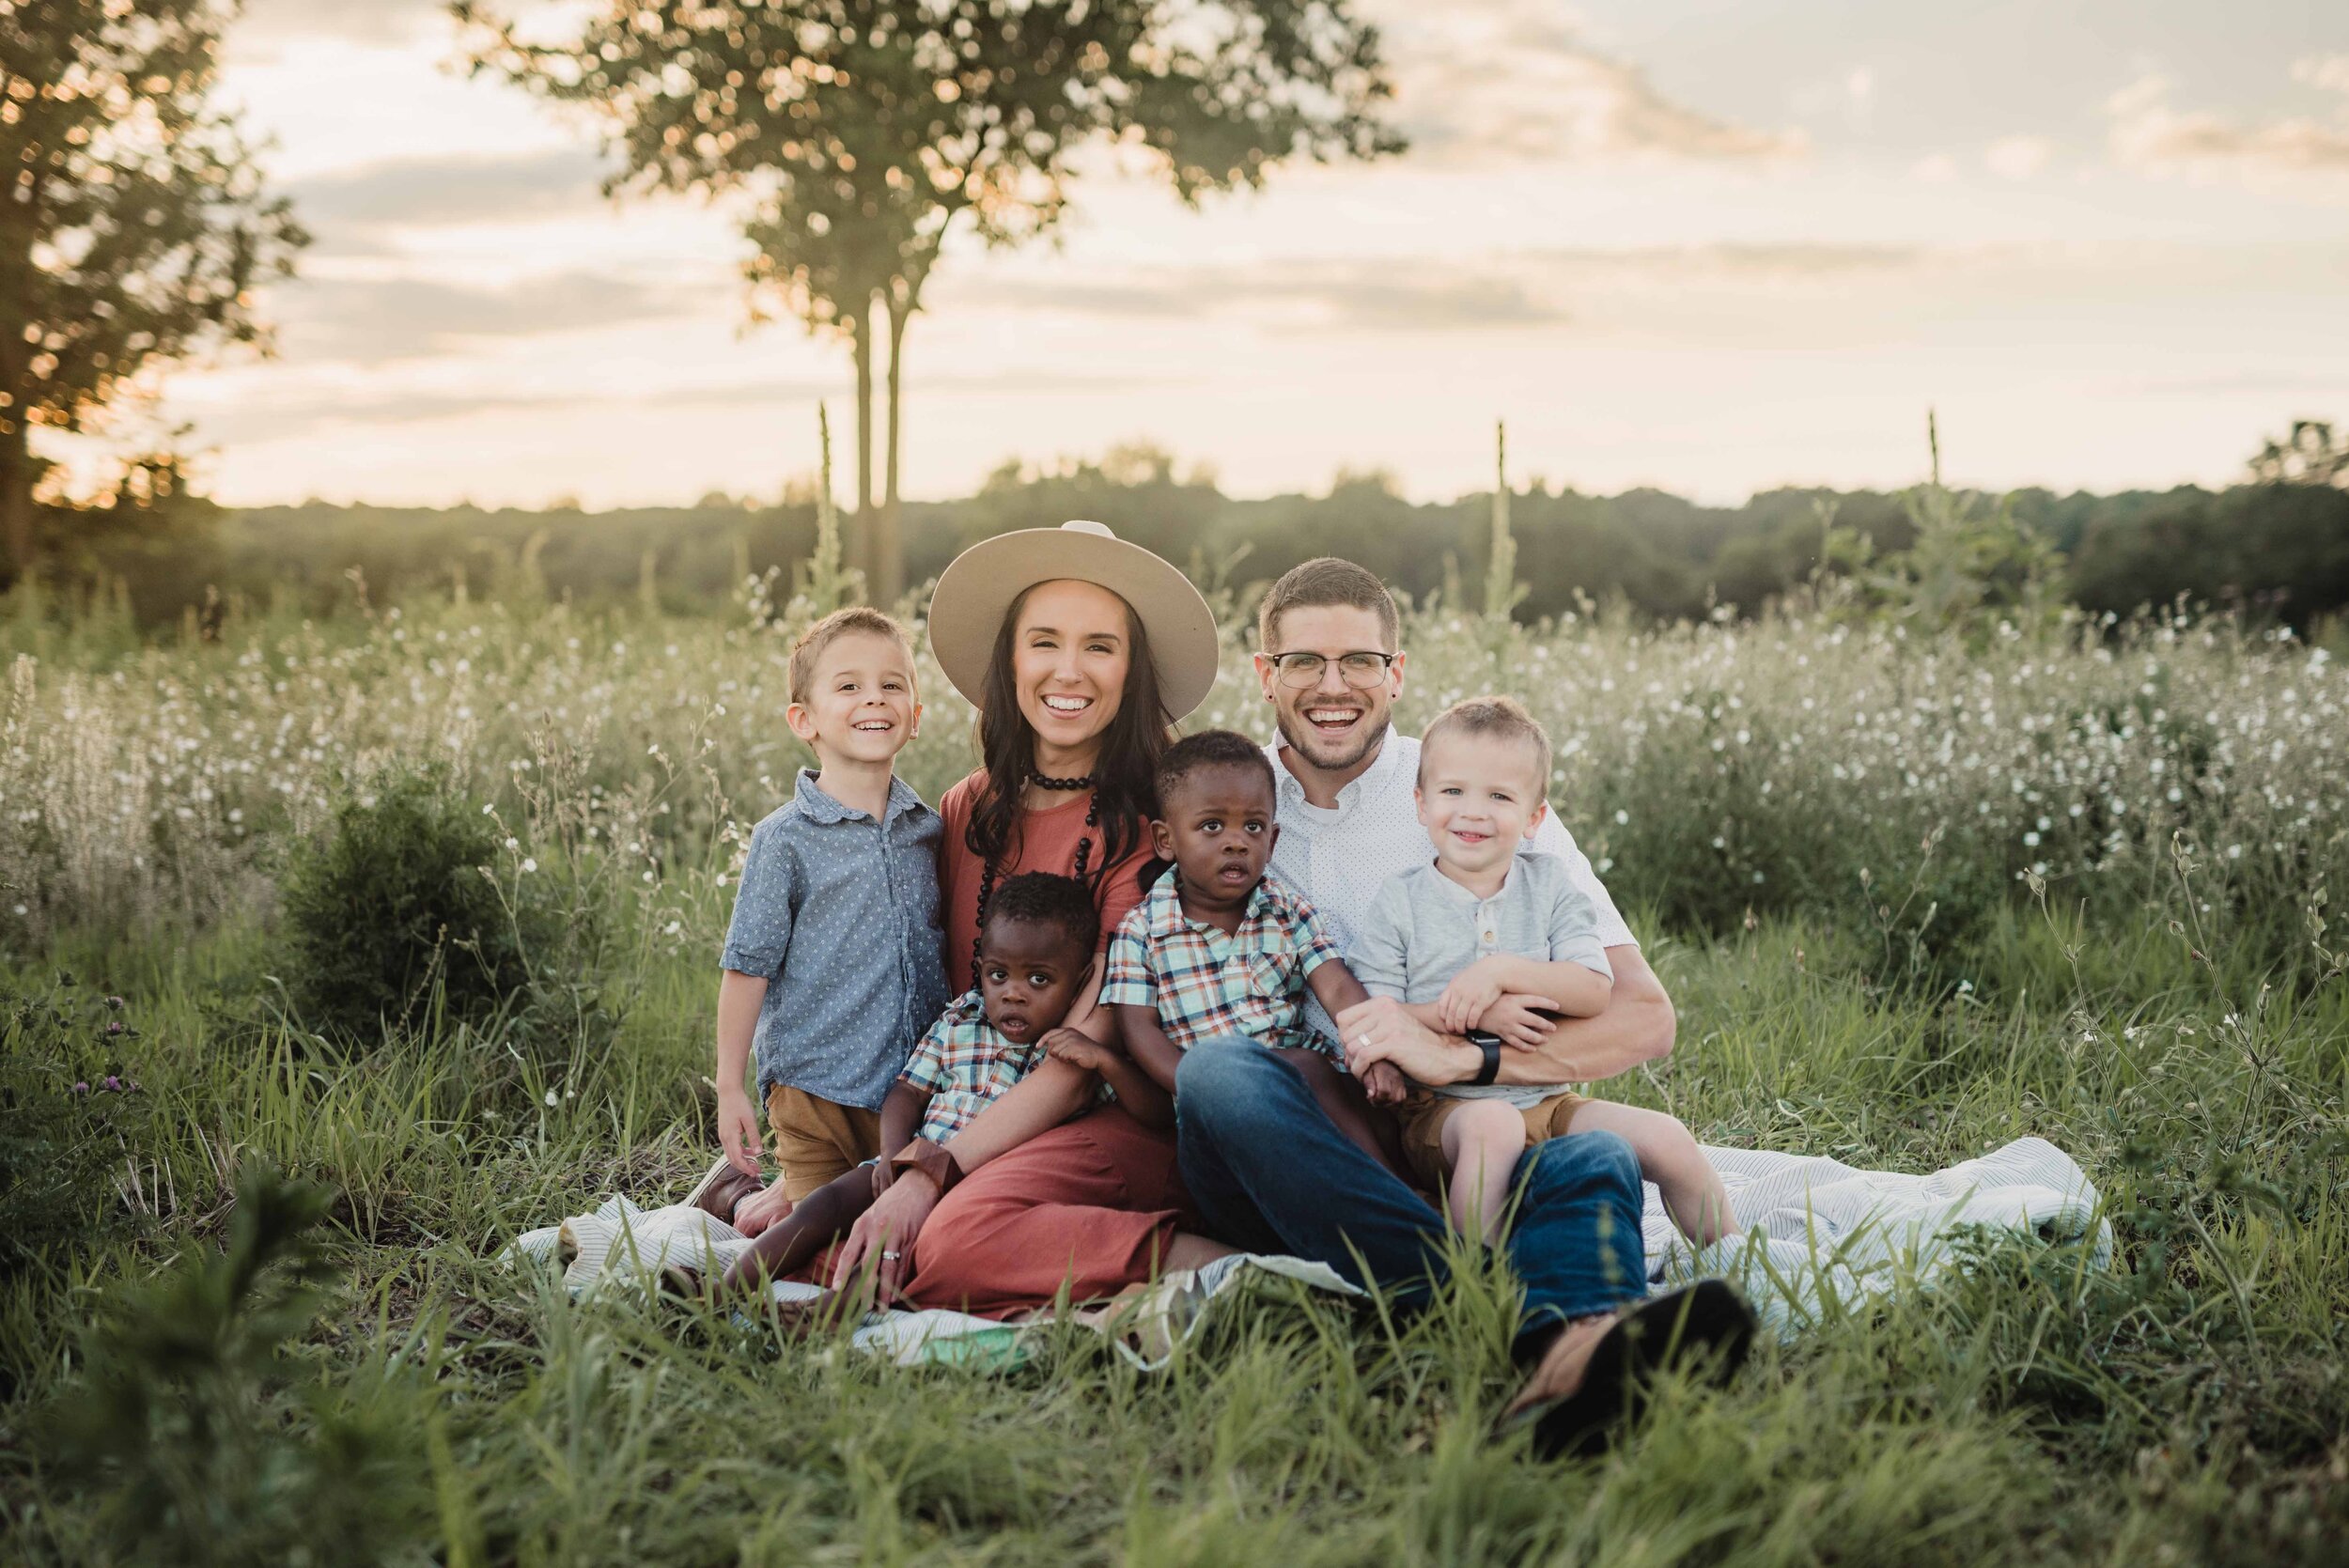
(1712, 247)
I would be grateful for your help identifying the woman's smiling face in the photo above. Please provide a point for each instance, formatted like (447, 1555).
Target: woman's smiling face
(1069, 655)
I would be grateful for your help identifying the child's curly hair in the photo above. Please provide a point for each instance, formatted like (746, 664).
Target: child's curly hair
(1040, 898)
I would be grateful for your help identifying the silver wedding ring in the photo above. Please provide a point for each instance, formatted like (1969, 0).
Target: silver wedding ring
(889, 1257)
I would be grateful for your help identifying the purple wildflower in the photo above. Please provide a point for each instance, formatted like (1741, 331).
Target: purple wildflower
(113, 1084)
(81, 1087)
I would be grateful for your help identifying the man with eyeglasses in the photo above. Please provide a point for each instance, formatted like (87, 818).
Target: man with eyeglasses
(1271, 1172)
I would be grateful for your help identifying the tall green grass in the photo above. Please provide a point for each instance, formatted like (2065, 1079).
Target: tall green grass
(2171, 1018)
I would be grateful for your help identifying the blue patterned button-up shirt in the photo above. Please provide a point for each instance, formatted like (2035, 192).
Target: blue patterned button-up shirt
(839, 914)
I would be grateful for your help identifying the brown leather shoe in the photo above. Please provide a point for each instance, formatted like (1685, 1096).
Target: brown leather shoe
(720, 1189)
(1594, 1373)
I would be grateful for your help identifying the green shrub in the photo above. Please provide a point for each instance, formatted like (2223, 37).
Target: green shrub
(397, 909)
(71, 1109)
(181, 1432)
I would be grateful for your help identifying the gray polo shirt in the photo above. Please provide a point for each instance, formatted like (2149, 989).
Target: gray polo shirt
(839, 913)
(1423, 928)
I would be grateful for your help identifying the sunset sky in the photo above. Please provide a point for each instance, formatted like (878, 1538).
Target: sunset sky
(1708, 247)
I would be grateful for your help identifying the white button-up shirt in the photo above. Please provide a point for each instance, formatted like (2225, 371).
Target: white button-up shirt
(1340, 856)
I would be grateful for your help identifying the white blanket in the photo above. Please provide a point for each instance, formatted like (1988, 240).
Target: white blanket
(1818, 1239)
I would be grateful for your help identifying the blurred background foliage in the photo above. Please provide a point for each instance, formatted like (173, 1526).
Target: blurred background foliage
(2277, 548)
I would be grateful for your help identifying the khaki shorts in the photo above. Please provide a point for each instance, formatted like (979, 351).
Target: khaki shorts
(816, 1139)
(1422, 1118)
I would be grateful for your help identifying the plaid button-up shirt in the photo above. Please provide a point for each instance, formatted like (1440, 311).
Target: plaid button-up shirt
(1205, 984)
(965, 1063)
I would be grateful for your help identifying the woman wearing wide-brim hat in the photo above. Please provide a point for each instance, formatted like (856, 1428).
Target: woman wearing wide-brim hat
(1081, 651)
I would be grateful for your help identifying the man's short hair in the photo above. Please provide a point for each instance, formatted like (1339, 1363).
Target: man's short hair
(1323, 581)
(1041, 898)
(839, 624)
(1497, 717)
(1209, 748)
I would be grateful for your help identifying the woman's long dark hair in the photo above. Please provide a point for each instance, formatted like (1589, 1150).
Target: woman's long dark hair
(1123, 775)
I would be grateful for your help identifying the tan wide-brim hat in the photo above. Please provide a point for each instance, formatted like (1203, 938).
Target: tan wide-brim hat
(979, 586)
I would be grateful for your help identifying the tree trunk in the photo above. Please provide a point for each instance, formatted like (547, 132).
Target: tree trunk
(16, 498)
(889, 555)
(866, 559)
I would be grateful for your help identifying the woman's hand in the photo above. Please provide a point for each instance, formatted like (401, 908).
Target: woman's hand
(1515, 1018)
(883, 1235)
(737, 1129)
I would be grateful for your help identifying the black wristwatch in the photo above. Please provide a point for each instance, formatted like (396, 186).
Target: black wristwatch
(1490, 1043)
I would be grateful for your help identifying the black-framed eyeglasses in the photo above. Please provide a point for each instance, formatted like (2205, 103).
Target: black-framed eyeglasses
(1359, 670)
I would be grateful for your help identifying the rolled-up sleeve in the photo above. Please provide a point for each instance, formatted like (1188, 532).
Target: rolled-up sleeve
(760, 932)
(1377, 957)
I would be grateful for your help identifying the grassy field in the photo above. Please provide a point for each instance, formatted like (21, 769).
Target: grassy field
(1914, 895)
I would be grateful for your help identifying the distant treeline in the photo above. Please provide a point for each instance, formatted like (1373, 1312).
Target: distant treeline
(2281, 549)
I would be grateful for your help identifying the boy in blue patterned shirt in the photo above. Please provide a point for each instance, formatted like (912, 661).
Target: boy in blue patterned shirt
(1219, 948)
(1035, 954)
(833, 963)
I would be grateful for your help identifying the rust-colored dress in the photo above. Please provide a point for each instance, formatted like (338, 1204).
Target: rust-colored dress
(1091, 1204)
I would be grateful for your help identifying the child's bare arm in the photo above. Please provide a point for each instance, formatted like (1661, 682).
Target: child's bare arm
(740, 997)
(1578, 990)
(1147, 1043)
(1565, 987)
(900, 1119)
(1140, 1096)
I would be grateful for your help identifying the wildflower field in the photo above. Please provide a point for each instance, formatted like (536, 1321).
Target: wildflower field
(417, 907)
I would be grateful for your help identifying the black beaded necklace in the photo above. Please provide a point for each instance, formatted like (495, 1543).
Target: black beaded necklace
(1084, 850)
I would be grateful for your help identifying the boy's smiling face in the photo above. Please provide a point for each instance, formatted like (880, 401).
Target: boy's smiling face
(1029, 973)
(1218, 830)
(1479, 797)
(859, 704)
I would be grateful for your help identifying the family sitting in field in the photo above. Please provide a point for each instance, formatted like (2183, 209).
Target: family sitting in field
(1216, 996)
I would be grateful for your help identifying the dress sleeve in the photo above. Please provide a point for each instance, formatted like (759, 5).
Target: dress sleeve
(1380, 943)
(1551, 838)
(760, 932)
(1127, 977)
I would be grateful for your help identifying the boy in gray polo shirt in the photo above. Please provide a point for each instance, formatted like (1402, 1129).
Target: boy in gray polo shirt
(833, 960)
(1478, 941)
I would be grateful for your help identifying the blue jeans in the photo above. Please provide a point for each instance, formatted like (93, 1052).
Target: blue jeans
(1272, 1174)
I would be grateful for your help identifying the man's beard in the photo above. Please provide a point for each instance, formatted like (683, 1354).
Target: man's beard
(1299, 732)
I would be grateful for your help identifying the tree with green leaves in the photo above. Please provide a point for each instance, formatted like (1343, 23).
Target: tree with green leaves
(138, 222)
(2309, 454)
(861, 135)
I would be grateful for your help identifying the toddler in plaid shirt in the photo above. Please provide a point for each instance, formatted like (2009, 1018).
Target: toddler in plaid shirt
(1035, 954)
(1218, 947)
